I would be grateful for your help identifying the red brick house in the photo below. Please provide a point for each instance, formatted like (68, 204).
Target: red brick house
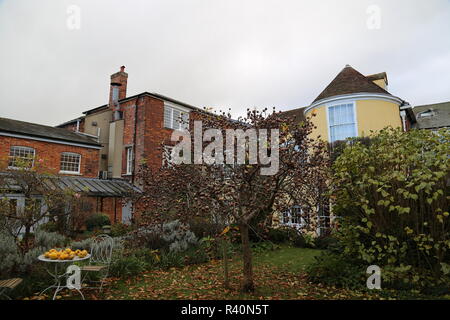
(74, 157)
(132, 129)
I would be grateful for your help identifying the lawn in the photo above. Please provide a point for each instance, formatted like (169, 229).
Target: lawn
(279, 274)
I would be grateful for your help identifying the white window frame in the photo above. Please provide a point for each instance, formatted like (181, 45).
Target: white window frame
(172, 107)
(339, 103)
(294, 220)
(130, 157)
(22, 147)
(67, 171)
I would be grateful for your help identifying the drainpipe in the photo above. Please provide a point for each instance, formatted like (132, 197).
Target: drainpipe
(403, 116)
(134, 140)
(78, 125)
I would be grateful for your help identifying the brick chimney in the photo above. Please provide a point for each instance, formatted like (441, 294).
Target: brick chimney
(118, 88)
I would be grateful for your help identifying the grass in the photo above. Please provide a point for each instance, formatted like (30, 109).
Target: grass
(288, 258)
(278, 274)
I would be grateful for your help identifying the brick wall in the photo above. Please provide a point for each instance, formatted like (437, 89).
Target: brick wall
(50, 155)
(147, 133)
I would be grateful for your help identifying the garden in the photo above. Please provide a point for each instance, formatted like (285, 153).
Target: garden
(201, 237)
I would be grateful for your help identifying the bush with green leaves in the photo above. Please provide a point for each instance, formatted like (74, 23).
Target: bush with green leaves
(14, 261)
(120, 229)
(334, 269)
(127, 266)
(97, 221)
(9, 254)
(279, 235)
(49, 240)
(393, 196)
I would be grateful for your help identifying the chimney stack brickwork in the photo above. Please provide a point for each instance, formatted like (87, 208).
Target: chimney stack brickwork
(119, 79)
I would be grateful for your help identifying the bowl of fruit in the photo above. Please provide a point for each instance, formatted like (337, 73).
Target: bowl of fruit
(65, 254)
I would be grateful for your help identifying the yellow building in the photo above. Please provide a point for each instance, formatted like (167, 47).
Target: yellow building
(355, 105)
(352, 105)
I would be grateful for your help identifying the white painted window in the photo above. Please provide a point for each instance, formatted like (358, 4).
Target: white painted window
(70, 162)
(129, 160)
(293, 216)
(19, 155)
(342, 121)
(176, 119)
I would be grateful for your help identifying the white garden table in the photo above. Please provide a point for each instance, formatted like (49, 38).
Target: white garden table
(59, 272)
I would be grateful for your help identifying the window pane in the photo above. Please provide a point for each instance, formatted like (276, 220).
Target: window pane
(129, 160)
(167, 117)
(342, 122)
(21, 156)
(176, 119)
(70, 162)
(185, 117)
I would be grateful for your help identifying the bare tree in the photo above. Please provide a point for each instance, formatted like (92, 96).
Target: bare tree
(238, 192)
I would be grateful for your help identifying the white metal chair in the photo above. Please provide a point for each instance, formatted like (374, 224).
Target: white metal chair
(100, 261)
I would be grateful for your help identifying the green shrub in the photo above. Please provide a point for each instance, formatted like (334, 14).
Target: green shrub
(337, 270)
(196, 255)
(299, 240)
(151, 258)
(127, 266)
(278, 235)
(9, 254)
(325, 242)
(393, 196)
(49, 240)
(172, 259)
(97, 221)
(119, 229)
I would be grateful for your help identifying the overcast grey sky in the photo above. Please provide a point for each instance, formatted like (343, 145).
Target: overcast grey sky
(221, 53)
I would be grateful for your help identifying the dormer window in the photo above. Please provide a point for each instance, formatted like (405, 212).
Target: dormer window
(424, 114)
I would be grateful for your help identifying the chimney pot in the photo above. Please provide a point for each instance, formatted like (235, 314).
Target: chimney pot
(122, 68)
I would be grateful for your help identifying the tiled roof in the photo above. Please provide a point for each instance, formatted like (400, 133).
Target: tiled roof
(37, 130)
(154, 95)
(297, 114)
(377, 76)
(350, 81)
(433, 115)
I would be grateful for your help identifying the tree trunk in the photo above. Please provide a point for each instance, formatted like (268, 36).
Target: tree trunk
(26, 237)
(247, 285)
(225, 264)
